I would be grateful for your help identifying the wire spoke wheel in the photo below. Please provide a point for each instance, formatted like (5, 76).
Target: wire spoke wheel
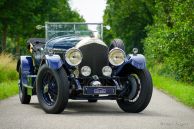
(52, 87)
(49, 88)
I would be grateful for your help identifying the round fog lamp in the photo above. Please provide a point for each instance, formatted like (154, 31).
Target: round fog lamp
(107, 71)
(85, 70)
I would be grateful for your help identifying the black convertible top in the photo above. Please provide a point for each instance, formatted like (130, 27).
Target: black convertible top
(35, 42)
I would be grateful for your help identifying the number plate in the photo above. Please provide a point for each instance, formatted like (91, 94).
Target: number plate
(89, 90)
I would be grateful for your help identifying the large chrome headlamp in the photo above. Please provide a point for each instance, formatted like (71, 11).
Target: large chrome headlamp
(73, 56)
(116, 56)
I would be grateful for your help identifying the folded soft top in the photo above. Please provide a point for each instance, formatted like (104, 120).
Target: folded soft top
(36, 40)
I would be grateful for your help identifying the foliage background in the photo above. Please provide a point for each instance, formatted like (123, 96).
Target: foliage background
(18, 19)
(162, 29)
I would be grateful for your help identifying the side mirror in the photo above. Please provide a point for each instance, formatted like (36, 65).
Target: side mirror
(108, 27)
(39, 27)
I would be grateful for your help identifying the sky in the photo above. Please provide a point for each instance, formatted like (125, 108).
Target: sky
(91, 10)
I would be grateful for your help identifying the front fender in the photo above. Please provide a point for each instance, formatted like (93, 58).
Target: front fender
(27, 68)
(138, 61)
(53, 61)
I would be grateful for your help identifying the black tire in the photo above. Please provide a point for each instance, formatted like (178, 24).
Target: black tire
(144, 95)
(117, 43)
(92, 100)
(23, 96)
(52, 87)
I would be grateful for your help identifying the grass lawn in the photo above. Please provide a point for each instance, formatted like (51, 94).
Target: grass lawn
(8, 76)
(8, 89)
(182, 92)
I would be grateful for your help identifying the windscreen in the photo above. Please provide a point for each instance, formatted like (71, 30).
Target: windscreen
(57, 29)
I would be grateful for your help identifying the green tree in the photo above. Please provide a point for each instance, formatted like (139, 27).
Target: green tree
(170, 39)
(18, 19)
(14, 13)
(128, 19)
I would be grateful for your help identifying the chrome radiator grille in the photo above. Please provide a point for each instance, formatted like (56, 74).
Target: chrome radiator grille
(95, 56)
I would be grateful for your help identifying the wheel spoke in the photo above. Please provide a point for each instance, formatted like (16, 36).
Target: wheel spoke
(45, 79)
(49, 88)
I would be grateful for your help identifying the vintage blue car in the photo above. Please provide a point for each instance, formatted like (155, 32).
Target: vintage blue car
(73, 62)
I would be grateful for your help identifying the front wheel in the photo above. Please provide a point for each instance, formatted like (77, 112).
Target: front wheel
(52, 89)
(137, 94)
